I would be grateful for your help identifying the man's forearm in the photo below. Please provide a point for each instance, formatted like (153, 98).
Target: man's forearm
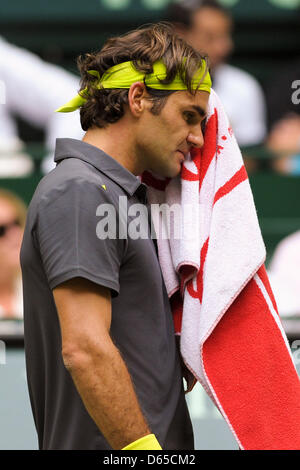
(106, 388)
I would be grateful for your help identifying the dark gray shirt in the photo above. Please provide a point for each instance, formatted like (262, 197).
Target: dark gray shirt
(61, 242)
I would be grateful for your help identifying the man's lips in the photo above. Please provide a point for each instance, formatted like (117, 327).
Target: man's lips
(184, 154)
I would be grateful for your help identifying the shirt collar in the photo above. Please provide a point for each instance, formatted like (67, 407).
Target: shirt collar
(73, 148)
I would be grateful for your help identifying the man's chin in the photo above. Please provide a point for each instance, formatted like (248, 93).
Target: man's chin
(166, 172)
(174, 172)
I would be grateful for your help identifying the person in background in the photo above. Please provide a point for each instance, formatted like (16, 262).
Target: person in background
(283, 103)
(284, 142)
(284, 276)
(207, 26)
(41, 87)
(283, 93)
(12, 222)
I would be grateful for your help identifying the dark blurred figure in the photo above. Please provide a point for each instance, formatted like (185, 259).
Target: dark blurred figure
(283, 100)
(207, 26)
(12, 222)
(283, 94)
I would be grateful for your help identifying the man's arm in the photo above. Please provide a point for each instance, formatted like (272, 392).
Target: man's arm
(95, 364)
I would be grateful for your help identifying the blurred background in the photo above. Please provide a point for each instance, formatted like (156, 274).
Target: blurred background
(253, 46)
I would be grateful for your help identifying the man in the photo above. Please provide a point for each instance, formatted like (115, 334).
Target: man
(102, 365)
(207, 26)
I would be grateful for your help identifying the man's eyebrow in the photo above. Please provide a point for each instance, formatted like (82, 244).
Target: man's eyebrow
(199, 110)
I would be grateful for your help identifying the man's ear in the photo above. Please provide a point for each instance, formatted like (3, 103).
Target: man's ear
(137, 98)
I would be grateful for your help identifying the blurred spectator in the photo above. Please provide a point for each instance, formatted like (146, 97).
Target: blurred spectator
(33, 90)
(284, 270)
(12, 221)
(283, 100)
(282, 95)
(284, 143)
(208, 27)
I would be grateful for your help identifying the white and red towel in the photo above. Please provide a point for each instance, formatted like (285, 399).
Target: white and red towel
(232, 338)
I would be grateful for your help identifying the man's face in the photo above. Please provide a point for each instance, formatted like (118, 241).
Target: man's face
(211, 33)
(164, 140)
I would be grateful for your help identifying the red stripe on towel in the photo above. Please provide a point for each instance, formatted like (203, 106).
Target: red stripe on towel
(235, 180)
(249, 367)
(190, 175)
(177, 310)
(197, 294)
(262, 273)
(209, 148)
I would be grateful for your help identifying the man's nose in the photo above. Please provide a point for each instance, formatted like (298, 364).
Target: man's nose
(196, 139)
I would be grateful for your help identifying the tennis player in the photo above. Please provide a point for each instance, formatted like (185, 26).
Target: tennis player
(103, 368)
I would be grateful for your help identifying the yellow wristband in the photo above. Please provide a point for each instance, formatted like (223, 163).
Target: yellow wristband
(148, 442)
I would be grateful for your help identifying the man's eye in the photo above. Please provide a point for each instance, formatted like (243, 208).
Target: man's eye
(191, 118)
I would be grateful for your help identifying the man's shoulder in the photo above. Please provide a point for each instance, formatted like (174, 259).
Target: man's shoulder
(74, 181)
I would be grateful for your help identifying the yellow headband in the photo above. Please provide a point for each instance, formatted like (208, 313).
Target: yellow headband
(125, 74)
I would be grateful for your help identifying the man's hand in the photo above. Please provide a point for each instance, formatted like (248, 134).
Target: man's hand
(95, 364)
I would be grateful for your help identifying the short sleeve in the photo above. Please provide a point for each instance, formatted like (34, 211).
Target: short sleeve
(68, 239)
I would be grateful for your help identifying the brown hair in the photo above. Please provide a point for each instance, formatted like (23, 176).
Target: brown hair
(143, 46)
